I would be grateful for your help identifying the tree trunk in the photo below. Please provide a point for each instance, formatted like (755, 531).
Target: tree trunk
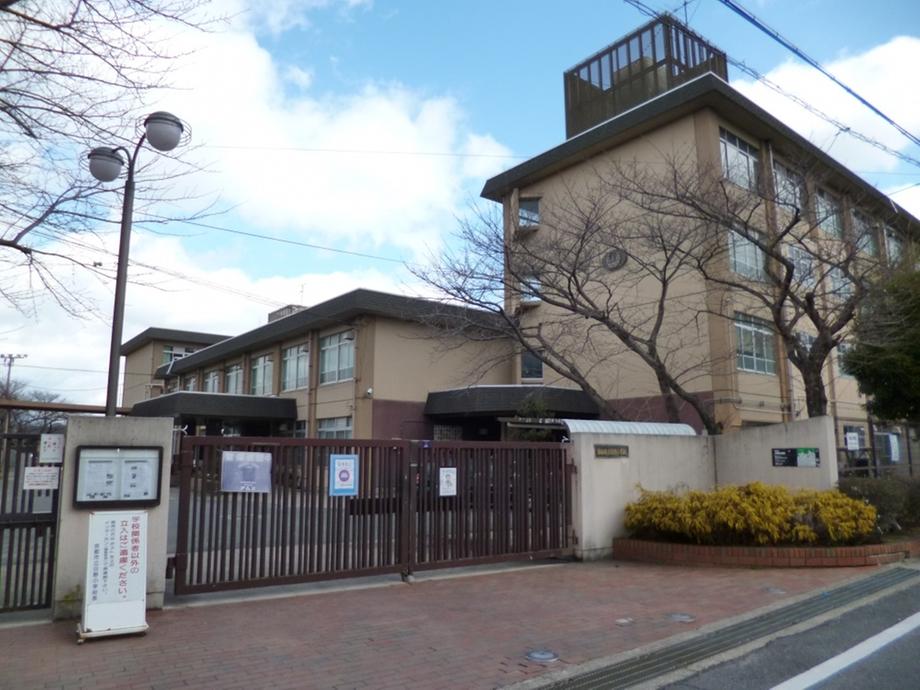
(815, 395)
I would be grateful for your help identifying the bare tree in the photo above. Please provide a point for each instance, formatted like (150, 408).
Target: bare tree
(30, 421)
(73, 74)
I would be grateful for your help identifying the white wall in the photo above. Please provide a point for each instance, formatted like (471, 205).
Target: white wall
(603, 486)
(73, 524)
(746, 456)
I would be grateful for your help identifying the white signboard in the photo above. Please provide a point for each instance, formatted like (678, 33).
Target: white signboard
(447, 484)
(808, 457)
(51, 448)
(115, 592)
(41, 478)
(852, 440)
(246, 471)
(343, 475)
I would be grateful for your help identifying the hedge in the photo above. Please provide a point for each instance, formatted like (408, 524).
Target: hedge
(755, 513)
(897, 499)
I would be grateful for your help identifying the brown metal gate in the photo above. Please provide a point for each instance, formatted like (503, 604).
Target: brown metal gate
(511, 501)
(28, 522)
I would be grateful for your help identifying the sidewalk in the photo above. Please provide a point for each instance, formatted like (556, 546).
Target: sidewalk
(465, 632)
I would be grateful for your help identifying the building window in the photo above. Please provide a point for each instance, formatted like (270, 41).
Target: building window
(531, 366)
(747, 259)
(260, 381)
(827, 212)
(739, 160)
(190, 383)
(806, 339)
(893, 245)
(858, 430)
(528, 213)
(337, 357)
(234, 379)
(212, 381)
(803, 266)
(530, 289)
(173, 352)
(789, 186)
(754, 345)
(866, 240)
(841, 286)
(333, 427)
(295, 367)
(842, 348)
(300, 428)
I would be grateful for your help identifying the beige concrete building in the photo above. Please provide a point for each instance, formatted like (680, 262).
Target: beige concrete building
(658, 100)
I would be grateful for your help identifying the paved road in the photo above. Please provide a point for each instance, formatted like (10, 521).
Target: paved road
(894, 667)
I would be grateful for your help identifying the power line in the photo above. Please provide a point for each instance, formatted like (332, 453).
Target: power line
(786, 43)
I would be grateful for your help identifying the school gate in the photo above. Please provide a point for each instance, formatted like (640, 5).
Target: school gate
(495, 501)
(28, 521)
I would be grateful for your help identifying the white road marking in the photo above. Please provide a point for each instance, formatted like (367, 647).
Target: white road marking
(821, 672)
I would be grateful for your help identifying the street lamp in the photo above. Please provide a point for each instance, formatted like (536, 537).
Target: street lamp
(162, 131)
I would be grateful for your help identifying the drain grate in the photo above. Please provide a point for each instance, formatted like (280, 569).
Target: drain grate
(654, 664)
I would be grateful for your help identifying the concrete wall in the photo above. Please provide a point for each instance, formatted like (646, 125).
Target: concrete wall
(603, 486)
(73, 524)
(745, 456)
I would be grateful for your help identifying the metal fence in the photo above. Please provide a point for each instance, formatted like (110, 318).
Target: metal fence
(508, 501)
(27, 529)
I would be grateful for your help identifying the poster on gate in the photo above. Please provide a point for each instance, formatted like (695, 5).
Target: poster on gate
(115, 588)
(343, 475)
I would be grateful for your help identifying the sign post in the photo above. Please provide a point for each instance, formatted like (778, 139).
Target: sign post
(115, 593)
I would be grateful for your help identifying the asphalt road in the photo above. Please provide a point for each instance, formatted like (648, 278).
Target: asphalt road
(895, 666)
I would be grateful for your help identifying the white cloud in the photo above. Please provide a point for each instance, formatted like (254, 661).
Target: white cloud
(884, 75)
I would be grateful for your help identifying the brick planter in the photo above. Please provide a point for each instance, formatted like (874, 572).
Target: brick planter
(764, 556)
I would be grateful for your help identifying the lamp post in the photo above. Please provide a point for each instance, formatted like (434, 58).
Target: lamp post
(162, 131)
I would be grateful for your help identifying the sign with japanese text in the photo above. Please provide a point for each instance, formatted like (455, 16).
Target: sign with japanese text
(115, 595)
(51, 448)
(610, 451)
(110, 476)
(852, 440)
(447, 481)
(796, 457)
(343, 475)
(41, 478)
(246, 472)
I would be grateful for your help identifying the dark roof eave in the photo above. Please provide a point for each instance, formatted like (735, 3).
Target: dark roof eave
(707, 90)
(155, 333)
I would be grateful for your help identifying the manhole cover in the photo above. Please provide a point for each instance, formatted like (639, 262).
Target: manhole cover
(542, 656)
(681, 617)
(625, 621)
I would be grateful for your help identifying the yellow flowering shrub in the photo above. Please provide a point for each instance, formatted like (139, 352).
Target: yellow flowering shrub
(755, 513)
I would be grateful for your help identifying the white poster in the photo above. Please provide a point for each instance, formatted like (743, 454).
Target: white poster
(99, 480)
(138, 479)
(343, 473)
(852, 440)
(447, 484)
(246, 471)
(115, 593)
(41, 478)
(51, 448)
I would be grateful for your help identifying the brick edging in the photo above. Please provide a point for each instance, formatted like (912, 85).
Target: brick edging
(765, 556)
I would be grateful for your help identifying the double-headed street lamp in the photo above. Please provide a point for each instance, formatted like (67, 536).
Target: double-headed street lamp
(162, 131)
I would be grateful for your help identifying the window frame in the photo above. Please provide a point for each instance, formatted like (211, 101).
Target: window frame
(539, 361)
(528, 219)
(301, 357)
(762, 338)
(212, 381)
(234, 371)
(792, 182)
(261, 373)
(336, 342)
(731, 148)
(739, 247)
(799, 256)
(864, 226)
(335, 430)
(841, 287)
(893, 239)
(839, 351)
(828, 207)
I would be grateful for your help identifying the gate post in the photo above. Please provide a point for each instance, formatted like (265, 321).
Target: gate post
(185, 498)
(409, 508)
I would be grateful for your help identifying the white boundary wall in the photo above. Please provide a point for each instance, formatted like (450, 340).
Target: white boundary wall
(602, 486)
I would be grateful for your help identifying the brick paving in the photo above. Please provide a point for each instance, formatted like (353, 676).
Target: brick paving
(469, 632)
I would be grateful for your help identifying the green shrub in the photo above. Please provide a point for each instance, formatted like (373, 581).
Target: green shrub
(911, 516)
(752, 514)
(887, 494)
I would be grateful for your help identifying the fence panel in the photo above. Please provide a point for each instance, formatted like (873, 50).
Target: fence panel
(27, 529)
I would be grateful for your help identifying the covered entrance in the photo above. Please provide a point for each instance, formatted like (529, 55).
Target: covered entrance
(417, 504)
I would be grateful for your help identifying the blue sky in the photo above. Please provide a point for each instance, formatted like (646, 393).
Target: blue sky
(370, 125)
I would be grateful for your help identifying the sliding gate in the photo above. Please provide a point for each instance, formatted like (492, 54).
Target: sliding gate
(418, 505)
(27, 526)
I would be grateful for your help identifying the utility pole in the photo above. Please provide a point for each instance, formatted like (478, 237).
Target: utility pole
(8, 360)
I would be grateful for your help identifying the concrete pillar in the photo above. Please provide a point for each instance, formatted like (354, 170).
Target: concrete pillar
(73, 524)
